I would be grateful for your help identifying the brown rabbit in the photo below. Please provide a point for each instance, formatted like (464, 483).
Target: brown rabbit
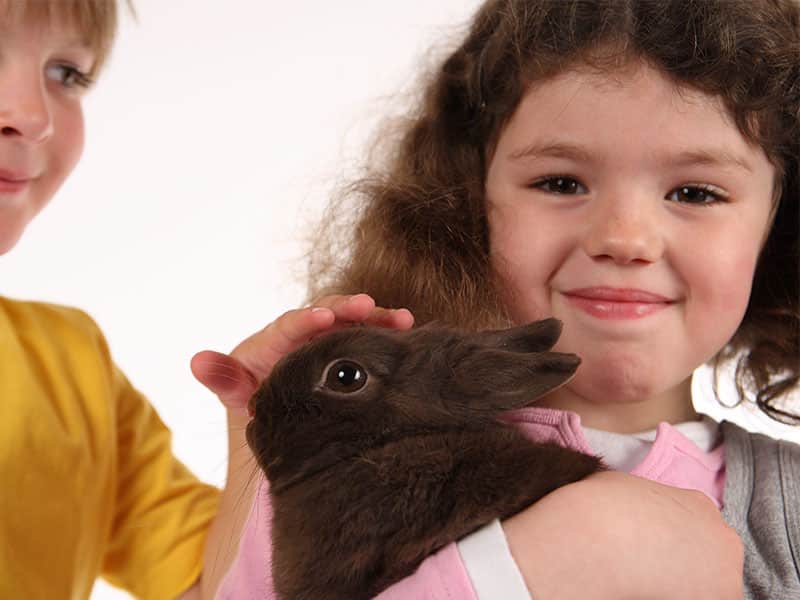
(382, 446)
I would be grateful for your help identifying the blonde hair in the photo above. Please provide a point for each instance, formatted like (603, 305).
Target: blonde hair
(94, 20)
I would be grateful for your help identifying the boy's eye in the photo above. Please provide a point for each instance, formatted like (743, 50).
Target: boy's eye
(560, 185)
(68, 76)
(696, 194)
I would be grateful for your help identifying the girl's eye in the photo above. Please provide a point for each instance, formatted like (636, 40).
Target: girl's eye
(345, 376)
(696, 194)
(560, 185)
(68, 76)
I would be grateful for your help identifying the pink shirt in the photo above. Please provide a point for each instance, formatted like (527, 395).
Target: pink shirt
(673, 459)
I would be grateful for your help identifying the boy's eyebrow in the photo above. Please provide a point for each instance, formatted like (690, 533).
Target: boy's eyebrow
(75, 40)
(714, 157)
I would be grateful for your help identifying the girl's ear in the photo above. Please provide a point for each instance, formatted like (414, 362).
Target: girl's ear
(488, 382)
(538, 336)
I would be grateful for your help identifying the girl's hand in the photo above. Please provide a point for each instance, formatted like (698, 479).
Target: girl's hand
(617, 536)
(235, 378)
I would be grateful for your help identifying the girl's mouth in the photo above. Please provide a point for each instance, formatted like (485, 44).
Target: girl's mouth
(616, 303)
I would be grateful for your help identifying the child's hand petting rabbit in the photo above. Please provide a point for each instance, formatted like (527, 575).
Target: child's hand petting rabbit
(382, 446)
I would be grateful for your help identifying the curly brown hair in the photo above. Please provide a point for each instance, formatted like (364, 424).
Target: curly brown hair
(417, 234)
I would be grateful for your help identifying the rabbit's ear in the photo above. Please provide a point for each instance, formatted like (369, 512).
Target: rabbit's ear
(538, 336)
(487, 382)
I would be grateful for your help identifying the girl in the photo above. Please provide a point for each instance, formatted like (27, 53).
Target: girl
(89, 483)
(631, 168)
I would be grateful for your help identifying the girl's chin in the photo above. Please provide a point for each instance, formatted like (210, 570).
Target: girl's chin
(614, 388)
(618, 384)
(574, 395)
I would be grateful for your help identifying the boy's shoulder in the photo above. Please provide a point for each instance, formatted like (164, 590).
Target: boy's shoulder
(54, 342)
(33, 312)
(35, 322)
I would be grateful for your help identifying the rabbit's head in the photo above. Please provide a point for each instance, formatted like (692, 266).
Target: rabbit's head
(361, 387)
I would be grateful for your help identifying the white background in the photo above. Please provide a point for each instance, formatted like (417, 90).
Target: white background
(213, 139)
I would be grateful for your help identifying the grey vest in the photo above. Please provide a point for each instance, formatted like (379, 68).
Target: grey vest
(762, 503)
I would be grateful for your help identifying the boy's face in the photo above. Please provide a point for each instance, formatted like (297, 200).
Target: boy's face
(634, 212)
(41, 121)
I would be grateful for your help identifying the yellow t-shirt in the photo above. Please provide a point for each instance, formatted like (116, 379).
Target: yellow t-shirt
(88, 482)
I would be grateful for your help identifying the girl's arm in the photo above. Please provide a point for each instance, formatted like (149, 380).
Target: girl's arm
(615, 535)
(610, 536)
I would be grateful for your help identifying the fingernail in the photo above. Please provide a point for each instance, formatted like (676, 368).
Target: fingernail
(318, 309)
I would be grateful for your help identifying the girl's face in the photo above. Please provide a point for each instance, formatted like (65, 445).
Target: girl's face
(42, 78)
(634, 211)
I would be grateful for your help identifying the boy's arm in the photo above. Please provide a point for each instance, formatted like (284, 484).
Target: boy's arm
(223, 537)
(193, 593)
(162, 512)
(237, 497)
(234, 379)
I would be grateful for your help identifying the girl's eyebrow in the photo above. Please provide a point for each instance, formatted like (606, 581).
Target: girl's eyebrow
(552, 150)
(712, 157)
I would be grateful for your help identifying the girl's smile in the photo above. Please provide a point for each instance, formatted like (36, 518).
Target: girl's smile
(633, 210)
(616, 303)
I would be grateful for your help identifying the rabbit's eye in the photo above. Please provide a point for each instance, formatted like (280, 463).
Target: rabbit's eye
(345, 376)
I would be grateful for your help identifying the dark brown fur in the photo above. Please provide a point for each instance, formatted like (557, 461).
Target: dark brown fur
(366, 483)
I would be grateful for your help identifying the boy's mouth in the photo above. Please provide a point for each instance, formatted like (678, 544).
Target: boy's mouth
(13, 181)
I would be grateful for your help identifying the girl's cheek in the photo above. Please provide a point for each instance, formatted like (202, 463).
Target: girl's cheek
(724, 289)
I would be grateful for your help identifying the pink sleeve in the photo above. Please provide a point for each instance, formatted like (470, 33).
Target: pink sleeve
(440, 577)
(250, 575)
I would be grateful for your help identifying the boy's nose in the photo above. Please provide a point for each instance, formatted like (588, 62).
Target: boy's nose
(625, 232)
(24, 109)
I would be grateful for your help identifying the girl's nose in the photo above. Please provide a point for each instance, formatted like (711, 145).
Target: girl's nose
(625, 232)
(24, 108)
